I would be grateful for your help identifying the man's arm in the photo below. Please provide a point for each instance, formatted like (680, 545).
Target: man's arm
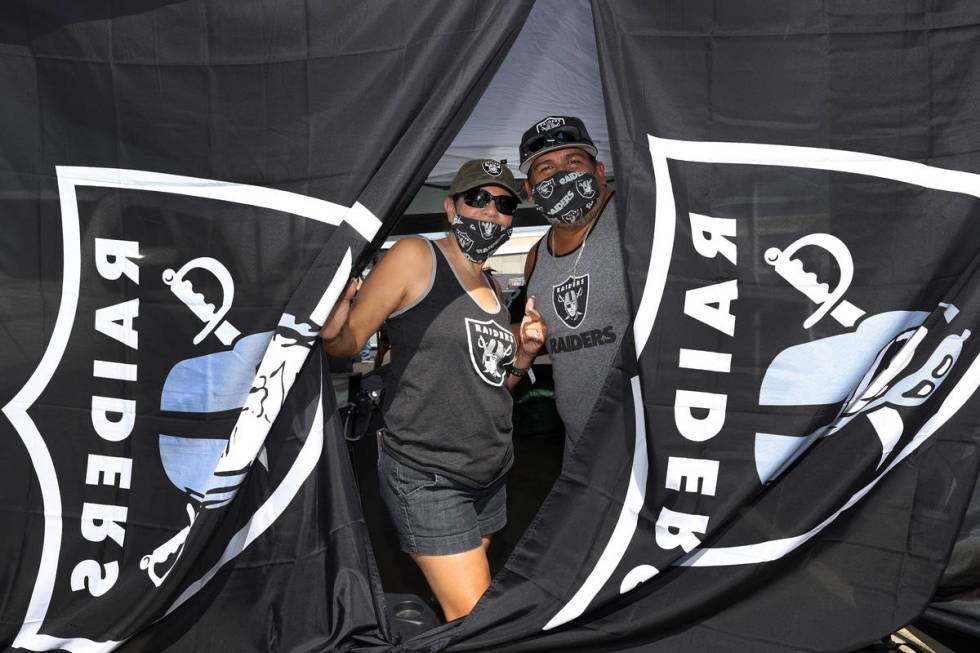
(532, 333)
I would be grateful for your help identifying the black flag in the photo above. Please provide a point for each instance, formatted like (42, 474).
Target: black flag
(782, 458)
(185, 189)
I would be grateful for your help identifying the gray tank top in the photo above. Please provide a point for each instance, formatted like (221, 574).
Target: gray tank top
(447, 408)
(585, 308)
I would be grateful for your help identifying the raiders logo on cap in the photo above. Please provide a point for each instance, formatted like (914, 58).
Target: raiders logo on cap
(492, 167)
(549, 123)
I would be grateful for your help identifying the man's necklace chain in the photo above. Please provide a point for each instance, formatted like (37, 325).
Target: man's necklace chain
(585, 241)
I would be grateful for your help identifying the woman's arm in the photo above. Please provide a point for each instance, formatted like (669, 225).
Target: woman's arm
(399, 279)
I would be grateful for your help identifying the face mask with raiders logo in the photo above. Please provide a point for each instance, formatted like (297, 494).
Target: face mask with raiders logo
(566, 197)
(479, 238)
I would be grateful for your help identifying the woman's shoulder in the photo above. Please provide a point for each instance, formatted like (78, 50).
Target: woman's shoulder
(411, 246)
(409, 266)
(411, 252)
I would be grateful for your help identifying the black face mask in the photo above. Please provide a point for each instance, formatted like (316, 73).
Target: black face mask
(566, 197)
(479, 238)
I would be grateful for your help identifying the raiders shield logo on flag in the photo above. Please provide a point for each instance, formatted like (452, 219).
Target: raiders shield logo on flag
(854, 372)
(571, 299)
(491, 348)
(170, 433)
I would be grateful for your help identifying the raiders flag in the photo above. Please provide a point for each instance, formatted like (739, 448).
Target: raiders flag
(185, 189)
(782, 459)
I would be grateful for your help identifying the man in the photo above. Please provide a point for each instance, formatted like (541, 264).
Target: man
(575, 271)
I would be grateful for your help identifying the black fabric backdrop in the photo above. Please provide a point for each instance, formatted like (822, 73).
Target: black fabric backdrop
(196, 180)
(795, 296)
(791, 261)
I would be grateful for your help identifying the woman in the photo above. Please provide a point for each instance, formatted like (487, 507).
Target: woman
(447, 443)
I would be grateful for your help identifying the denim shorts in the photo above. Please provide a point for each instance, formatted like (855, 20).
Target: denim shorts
(435, 515)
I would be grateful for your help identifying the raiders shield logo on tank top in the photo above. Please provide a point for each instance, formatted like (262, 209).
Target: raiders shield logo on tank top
(571, 299)
(491, 348)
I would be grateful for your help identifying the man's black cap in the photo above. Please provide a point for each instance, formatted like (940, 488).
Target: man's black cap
(554, 133)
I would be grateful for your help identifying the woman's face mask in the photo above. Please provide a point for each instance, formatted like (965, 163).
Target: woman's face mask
(566, 197)
(479, 238)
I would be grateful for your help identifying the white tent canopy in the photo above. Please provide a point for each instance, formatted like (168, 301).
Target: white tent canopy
(552, 69)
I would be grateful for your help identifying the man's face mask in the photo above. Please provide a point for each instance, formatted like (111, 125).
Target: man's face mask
(566, 197)
(479, 238)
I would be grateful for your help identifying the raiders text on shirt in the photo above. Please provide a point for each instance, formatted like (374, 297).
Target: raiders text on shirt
(493, 331)
(576, 341)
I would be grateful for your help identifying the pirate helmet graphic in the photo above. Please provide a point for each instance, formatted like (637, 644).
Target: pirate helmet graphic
(864, 369)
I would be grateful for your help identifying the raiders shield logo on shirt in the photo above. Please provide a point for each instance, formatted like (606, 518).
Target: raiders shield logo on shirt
(571, 299)
(491, 348)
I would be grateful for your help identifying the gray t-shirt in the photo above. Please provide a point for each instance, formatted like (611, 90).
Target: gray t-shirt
(582, 299)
